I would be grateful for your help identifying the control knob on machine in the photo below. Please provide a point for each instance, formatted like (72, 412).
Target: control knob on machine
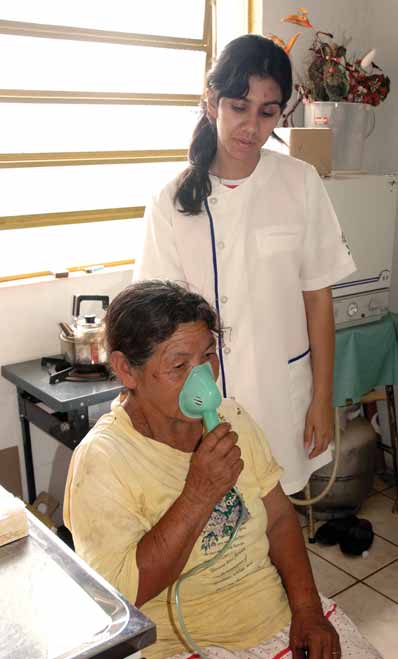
(373, 304)
(352, 309)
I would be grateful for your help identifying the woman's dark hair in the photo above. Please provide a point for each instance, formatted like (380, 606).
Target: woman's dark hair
(251, 54)
(147, 313)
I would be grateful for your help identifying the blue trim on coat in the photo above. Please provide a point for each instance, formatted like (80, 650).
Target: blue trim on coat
(295, 359)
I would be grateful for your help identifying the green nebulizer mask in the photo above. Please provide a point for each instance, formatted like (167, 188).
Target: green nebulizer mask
(200, 397)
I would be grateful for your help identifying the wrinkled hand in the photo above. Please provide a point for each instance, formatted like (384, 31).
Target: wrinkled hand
(318, 426)
(310, 631)
(215, 466)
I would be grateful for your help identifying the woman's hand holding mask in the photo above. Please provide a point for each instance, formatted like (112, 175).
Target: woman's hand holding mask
(215, 466)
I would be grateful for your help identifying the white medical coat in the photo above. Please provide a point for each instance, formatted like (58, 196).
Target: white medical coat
(276, 236)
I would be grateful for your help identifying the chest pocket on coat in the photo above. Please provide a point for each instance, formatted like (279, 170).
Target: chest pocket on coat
(274, 240)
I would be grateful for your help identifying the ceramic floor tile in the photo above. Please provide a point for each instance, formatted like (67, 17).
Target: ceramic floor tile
(390, 492)
(329, 579)
(379, 484)
(380, 553)
(375, 615)
(386, 582)
(378, 510)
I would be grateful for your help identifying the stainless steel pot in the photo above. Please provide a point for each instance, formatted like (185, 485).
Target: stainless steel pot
(83, 340)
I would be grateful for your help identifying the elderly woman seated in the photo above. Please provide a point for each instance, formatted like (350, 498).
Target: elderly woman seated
(151, 495)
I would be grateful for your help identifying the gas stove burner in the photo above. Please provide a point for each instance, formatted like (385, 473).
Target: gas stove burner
(61, 370)
(74, 375)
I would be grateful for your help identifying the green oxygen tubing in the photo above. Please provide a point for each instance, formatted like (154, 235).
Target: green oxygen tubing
(308, 500)
(200, 398)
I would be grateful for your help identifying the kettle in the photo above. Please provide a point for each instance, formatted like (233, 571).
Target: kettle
(83, 341)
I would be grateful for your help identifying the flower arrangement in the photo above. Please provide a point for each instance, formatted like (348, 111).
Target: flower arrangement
(331, 75)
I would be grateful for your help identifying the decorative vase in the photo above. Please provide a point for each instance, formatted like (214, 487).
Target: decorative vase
(351, 124)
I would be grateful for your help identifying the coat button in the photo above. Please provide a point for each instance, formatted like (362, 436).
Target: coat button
(213, 200)
(227, 350)
(224, 299)
(220, 244)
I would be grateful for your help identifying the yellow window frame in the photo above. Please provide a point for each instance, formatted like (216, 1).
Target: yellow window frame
(206, 44)
(8, 160)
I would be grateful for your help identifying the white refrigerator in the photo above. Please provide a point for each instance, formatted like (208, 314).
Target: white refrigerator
(365, 205)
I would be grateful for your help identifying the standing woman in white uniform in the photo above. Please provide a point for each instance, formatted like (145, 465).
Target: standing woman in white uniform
(255, 233)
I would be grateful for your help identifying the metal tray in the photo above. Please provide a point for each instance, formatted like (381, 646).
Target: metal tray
(54, 606)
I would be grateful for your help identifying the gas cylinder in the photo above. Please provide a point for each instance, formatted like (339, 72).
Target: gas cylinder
(354, 475)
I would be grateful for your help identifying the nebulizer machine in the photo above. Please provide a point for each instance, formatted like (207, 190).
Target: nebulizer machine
(200, 398)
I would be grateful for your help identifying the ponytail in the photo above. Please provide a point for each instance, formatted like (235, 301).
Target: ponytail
(194, 183)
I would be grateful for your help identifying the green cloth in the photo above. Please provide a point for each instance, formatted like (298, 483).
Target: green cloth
(366, 357)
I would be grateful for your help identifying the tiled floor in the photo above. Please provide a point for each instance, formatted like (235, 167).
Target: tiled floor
(366, 588)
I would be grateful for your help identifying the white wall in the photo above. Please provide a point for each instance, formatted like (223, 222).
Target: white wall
(383, 145)
(370, 25)
(382, 152)
(29, 330)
